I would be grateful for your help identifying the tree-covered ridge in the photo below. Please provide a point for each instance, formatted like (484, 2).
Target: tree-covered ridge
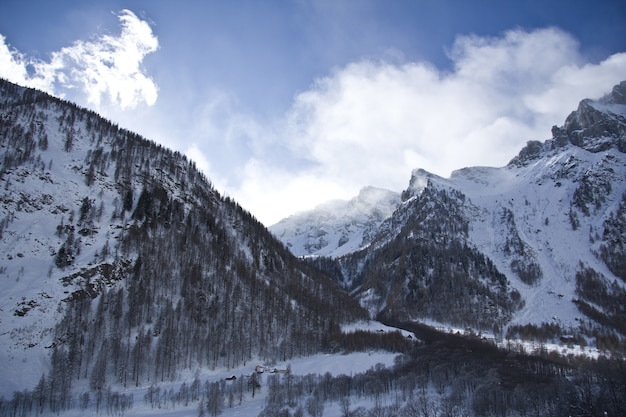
(161, 272)
(430, 270)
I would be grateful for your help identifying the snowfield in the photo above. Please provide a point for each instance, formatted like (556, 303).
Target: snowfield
(334, 364)
(337, 227)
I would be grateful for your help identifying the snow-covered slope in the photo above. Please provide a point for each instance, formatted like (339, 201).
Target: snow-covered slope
(541, 240)
(337, 227)
(38, 205)
(523, 215)
(111, 244)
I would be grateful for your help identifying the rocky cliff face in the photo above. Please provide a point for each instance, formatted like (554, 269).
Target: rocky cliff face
(600, 125)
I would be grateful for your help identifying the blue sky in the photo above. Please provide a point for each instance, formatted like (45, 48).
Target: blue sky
(286, 104)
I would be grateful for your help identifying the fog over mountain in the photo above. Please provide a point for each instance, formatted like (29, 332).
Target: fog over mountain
(337, 227)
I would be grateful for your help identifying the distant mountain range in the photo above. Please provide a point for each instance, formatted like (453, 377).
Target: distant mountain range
(541, 241)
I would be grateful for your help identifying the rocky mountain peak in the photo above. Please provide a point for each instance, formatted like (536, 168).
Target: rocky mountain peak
(418, 182)
(526, 244)
(617, 95)
(596, 126)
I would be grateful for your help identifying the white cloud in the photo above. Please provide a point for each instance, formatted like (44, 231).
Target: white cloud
(12, 65)
(367, 123)
(372, 122)
(195, 153)
(107, 66)
(271, 193)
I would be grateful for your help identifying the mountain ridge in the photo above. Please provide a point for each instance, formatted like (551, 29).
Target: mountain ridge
(337, 227)
(547, 220)
(110, 240)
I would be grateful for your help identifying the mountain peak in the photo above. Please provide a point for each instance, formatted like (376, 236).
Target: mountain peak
(418, 182)
(337, 227)
(512, 246)
(617, 95)
(596, 126)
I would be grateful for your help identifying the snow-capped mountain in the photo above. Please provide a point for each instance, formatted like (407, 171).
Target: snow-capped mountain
(129, 286)
(337, 227)
(541, 241)
(120, 264)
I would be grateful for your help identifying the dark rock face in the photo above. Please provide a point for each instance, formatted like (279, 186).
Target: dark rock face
(618, 95)
(596, 129)
(595, 126)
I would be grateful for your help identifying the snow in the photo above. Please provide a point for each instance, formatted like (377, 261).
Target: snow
(372, 326)
(611, 108)
(534, 198)
(539, 194)
(339, 364)
(334, 364)
(531, 347)
(337, 227)
(28, 245)
(37, 201)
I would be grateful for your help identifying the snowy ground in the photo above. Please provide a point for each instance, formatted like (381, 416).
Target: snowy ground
(373, 326)
(531, 347)
(320, 364)
(335, 364)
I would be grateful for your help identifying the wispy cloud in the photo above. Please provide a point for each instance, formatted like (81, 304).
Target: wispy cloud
(372, 122)
(104, 68)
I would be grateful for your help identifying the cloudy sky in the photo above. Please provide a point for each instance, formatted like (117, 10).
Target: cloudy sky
(288, 103)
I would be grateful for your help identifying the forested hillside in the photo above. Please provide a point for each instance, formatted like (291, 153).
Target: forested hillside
(121, 265)
(428, 268)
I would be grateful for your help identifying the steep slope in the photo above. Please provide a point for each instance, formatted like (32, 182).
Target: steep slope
(337, 227)
(422, 263)
(120, 264)
(539, 242)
